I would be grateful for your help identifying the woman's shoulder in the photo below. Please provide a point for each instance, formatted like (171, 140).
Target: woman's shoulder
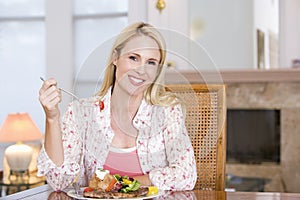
(167, 110)
(169, 106)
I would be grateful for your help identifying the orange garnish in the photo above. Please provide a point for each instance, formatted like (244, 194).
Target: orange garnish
(111, 185)
(88, 189)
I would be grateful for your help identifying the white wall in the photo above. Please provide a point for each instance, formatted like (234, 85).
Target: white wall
(224, 28)
(289, 32)
(59, 48)
(266, 15)
(173, 23)
(266, 19)
(140, 14)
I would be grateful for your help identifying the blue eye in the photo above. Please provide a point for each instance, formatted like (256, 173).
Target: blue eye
(152, 63)
(133, 58)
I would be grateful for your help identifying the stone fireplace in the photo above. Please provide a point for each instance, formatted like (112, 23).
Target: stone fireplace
(263, 89)
(283, 96)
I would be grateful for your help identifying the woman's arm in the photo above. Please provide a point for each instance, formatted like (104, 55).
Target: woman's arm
(59, 157)
(181, 173)
(50, 97)
(61, 176)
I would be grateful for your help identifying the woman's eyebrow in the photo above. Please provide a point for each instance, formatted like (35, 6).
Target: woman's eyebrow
(136, 54)
(131, 54)
(153, 59)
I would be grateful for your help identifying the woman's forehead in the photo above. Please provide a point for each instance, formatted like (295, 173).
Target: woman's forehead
(140, 43)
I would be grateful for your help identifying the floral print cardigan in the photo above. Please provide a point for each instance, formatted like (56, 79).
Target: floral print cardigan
(163, 145)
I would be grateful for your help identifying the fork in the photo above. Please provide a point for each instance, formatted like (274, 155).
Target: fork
(67, 92)
(76, 184)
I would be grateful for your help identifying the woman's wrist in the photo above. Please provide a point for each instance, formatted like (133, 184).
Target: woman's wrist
(144, 180)
(53, 120)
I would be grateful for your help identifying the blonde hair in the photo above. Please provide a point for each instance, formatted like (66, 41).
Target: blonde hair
(155, 94)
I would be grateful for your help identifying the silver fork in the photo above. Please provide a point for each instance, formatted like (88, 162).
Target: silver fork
(65, 91)
(76, 184)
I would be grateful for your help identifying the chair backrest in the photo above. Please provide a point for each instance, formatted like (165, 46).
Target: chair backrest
(205, 121)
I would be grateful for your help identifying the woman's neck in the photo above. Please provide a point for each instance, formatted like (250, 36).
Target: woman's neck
(122, 103)
(123, 109)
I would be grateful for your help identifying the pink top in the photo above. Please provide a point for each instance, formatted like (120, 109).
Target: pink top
(123, 162)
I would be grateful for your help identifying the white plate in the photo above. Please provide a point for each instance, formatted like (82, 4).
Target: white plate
(72, 194)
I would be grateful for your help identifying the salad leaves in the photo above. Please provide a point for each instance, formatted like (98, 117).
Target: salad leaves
(128, 184)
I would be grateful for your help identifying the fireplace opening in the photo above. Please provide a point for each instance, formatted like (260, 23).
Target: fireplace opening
(253, 136)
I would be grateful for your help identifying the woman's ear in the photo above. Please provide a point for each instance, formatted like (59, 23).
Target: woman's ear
(115, 57)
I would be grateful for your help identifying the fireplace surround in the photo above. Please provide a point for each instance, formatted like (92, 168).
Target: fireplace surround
(283, 96)
(263, 89)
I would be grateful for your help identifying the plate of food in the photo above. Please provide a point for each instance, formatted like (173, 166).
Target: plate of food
(103, 185)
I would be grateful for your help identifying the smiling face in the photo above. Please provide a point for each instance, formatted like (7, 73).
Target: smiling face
(137, 64)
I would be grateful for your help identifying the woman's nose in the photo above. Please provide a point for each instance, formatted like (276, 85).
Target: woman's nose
(140, 69)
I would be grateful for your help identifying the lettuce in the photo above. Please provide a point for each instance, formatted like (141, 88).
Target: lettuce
(135, 185)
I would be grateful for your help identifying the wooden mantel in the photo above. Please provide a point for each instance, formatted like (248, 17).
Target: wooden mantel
(234, 76)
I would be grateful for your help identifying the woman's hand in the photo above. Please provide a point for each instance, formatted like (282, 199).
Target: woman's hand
(59, 196)
(144, 180)
(49, 97)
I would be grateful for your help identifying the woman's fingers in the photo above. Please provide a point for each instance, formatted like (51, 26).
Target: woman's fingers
(49, 93)
(51, 105)
(50, 97)
(47, 84)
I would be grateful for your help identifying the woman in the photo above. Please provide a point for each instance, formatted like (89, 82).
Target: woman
(131, 127)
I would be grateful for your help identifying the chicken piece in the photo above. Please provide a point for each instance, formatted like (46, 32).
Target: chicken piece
(96, 183)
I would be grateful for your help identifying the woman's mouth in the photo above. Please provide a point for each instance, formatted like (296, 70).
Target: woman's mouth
(135, 81)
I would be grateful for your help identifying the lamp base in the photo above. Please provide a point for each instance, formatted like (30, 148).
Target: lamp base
(19, 176)
(18, 156)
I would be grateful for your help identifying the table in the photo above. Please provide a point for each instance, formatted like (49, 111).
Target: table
(246, 184)
(19, 184)
(46, 192)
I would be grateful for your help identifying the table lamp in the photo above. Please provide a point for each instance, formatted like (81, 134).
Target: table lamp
(19, 127)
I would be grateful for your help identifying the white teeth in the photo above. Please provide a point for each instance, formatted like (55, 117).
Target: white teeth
(136, 80)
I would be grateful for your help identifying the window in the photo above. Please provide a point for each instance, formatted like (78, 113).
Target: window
(95, 25)
(23, 48)
(22, 57)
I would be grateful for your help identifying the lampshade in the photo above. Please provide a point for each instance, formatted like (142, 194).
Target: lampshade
(19, 127)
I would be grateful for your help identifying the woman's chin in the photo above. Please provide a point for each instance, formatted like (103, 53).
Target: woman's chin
(137, 91)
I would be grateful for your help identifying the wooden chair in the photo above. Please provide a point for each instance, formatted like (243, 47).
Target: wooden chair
(205, 121)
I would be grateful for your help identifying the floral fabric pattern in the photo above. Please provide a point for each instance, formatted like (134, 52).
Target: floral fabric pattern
(163, 145)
